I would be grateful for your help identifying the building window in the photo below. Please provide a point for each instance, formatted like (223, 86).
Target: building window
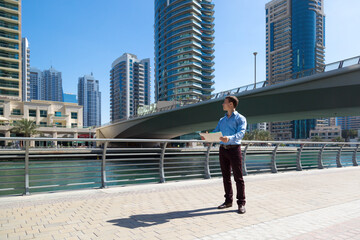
(32, 113)
(1, 111)
(43, 113)
(16, 112)
(58, 124)
(74, 125)
(57, 114)
(74, 115)
(43, 124)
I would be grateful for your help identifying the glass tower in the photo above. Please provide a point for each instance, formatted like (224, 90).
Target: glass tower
(295, 38)
(53, 85)
(184, 47)
(295, 42)
(89, 97)
(37, 85)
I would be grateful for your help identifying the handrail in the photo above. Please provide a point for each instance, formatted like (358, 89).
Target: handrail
(166, 140)
(28, 169)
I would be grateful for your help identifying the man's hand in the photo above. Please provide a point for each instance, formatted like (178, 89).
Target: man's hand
(224, 139)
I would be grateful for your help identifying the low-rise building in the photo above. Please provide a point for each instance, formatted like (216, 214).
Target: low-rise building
(328, 132)
(54, 119)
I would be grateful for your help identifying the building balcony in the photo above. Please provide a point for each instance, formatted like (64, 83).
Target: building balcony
(8, 8)
(208, 56)
(58, 117)
(207, 5)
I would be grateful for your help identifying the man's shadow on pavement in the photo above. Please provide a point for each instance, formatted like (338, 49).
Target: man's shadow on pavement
(148, 220)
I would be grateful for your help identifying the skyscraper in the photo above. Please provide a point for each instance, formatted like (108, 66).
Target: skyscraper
(295, 42)
(349, 122)
(37, 85)
(295, 37)
(53, 85)
(10, 50)
(25, 70)
(184, 47)
(89, 97)
(129, 86)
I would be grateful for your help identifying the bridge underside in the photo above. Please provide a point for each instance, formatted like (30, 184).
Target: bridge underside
(329, 94)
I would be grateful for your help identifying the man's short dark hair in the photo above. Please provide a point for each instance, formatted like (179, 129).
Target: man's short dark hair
(233, 99)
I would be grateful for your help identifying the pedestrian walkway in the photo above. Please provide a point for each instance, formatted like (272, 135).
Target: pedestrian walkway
(314, 204)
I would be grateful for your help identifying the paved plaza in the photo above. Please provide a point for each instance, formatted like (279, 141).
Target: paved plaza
(314, 204)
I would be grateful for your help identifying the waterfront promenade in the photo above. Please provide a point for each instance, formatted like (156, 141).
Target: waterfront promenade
(314, 204)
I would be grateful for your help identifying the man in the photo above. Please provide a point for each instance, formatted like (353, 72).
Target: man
(233, 127)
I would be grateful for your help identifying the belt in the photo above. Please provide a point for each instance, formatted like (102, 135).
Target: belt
(228, 146)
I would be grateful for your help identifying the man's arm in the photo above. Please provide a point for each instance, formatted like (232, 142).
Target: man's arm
(217, 129)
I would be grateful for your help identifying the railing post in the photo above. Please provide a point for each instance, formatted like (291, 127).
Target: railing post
(103, 166)
(27, 182)
(244, 160)
(273, 159)
(320, 163)
(298, 158)
(355, 153)
(161, 165)
(338, 160)
(207, 162)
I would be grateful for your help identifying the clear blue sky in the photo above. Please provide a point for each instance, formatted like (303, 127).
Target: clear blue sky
(78, 37)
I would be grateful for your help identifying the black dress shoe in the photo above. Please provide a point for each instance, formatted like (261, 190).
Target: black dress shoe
(242, 209)
(225, 205)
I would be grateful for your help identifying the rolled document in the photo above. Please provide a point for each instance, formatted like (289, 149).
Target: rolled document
(211, 137)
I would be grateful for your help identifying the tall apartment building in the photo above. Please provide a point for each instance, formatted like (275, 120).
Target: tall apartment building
(10, 49)
(348, 123)
(37, 85)
(25, 70)
(295, 42)
(53, 85)
(129, 86)
(89, 96)
(184, 47)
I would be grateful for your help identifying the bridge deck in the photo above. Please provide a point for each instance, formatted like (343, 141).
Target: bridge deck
(315, 204)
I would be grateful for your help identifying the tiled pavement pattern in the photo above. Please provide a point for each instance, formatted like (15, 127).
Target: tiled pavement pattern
(314, 204)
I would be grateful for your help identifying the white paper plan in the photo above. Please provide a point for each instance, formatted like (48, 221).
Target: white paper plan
(211, 137)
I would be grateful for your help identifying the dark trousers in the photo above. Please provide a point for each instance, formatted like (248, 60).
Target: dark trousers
(232, 159)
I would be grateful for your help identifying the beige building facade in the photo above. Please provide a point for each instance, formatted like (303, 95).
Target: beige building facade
(54, 119)
(326, 132)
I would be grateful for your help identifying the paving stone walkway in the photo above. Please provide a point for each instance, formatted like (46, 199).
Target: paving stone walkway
(314, 204)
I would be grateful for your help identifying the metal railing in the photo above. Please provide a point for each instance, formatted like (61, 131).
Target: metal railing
(111, 162)
(291, 76)
(282, 78)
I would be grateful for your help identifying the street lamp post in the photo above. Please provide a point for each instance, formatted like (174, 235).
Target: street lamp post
(255, 69)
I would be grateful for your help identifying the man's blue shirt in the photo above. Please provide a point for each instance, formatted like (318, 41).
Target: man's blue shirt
(233, 127)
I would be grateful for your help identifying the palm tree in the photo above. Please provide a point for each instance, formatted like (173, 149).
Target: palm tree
(339, 139)
(316, 139)
(260, 135)
(25, 127)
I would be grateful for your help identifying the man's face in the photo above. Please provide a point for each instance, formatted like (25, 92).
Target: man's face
(227, 105)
